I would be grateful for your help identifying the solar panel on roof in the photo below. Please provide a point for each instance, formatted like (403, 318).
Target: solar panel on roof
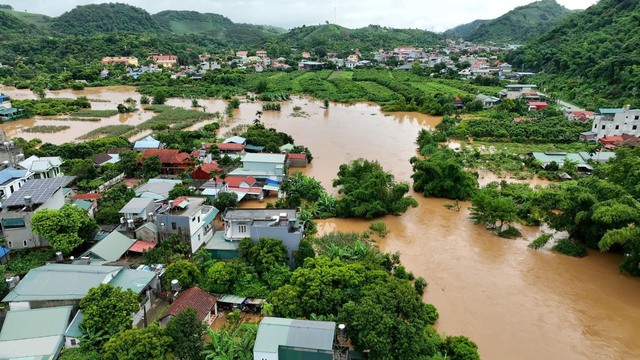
(40, 190)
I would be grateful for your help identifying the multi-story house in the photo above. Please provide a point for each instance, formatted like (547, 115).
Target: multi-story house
(189, 218)
(42, 167)
(11, 180)
(616, 122)
(18, 210)
(283, 224)
(262, 166)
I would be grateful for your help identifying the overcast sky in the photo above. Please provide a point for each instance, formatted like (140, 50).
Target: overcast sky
(434, 15)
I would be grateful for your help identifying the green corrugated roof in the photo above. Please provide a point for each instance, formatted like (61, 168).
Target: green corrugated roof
(211, 216)
(82, 204)
(111, 248)
(74, 328)
(274, 332)
(232, 299)
(559, 157)
(135, 280)
(43, 348)
(254, 147)
(28, 324)
(60, 282)
(610, 111)
(218, 242)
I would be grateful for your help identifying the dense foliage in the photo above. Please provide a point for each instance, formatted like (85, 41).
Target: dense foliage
(518, 25)
(108, 308)
(64, 229)
(591, 57)
(106, 18)
(368, 191)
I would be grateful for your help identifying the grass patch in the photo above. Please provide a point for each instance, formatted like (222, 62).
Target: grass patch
(94, 113)
(379, 227)
(509, 233)
(541, 241)
(23, 260)
(109, 130)
(341, 74)
(47, 129)
(571, 248)
(175, 117)
(271, 106)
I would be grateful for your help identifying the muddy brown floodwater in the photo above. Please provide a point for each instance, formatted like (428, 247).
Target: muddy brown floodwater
(515, 303)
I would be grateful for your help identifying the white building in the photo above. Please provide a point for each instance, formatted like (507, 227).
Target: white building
(11, 180)
(616, 122)
(42, 167)
(189, 218)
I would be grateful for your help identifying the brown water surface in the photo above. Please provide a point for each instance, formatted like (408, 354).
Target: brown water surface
(515, 303)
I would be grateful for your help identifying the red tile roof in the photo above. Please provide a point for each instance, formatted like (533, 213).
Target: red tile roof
(537, 103)
(195, 298)
(166, 156)
(297, 156)
(611, 139)
(235, 181)
(230, 147)
(210, 167)
(87, 197)
(141, 246)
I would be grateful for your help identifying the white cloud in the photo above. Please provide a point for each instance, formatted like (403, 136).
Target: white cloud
(426, 14)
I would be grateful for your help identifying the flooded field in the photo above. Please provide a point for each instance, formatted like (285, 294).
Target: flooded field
(515, 303)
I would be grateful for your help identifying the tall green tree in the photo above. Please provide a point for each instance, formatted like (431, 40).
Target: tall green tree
(108, 308)
(368, 191)
(151, 343)
(443, 175)
(64, 229)
(186, 272)
(151, 167)
(187, 334)
(129, 162)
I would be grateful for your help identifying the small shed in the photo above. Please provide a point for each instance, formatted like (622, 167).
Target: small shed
(297, 160)
(108, 249)
(148, 233)
(280, 338)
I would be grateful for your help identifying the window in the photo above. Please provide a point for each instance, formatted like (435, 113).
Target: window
(635, 127)
(13, 223)
(595, 126)
(617, 127)
(603, 127)
(636, 117)
(198, 237)
(174, 226)
(11, 244)
(73, 342)
(24, 243)
(198, 218)
(242, 228)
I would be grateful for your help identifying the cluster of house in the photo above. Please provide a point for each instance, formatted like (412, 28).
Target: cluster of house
(44, 316)
(157, 62)
(528, 92)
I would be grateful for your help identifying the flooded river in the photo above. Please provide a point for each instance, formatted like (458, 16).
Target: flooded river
(515, 303)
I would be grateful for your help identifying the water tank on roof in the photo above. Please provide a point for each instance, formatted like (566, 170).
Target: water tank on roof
(130, 224)
(59, 256)
(175, 285)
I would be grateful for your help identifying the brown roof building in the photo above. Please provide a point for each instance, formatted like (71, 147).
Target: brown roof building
(201, 301)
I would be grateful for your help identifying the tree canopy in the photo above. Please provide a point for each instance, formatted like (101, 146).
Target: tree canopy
(64, 229)
(108, 308)
(368, 191)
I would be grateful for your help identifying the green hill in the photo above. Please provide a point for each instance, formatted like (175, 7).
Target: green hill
(332, 37)
(521, 24)
(106, 18)
(37, 20)
(464, 30)
(10, 24)
(592, 57)
(191, 22)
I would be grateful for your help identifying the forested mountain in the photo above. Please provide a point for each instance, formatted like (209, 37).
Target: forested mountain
(332, 37)
(10, 24)
(591, 56)
(465, 30)
(193, 22)
(37, 20)
(106, 18)
(520, 24)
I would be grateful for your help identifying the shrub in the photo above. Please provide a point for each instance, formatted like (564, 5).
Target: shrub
(420, 285)
(379, 227)
(510, 233)
(571, 248)
(541, 241)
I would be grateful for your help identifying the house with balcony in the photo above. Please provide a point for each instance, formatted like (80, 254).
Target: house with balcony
(42, 167)
(189, 218)
(11, 180)
(283, 224)
(262, 166)
(616, 122)
(138, 208)
(19, 208)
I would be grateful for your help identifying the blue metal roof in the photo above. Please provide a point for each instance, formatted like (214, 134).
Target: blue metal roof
(3, 251)
(610, 111)
(11, 173)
